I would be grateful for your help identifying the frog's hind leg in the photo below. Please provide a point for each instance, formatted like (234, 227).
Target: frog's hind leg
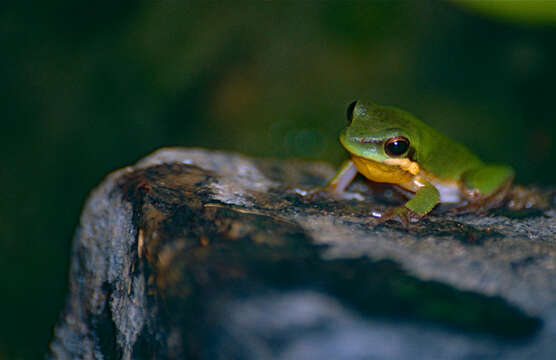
(485, 188)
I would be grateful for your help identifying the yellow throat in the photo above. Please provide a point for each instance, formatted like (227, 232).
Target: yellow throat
(393, 171)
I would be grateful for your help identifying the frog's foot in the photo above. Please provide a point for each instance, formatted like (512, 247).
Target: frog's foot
(521, 197)
(336, 186)
(477, 207)
(478, 203)
(401, 214)
(327, 192)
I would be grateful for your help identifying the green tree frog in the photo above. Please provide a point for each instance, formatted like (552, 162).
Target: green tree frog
(388, 145)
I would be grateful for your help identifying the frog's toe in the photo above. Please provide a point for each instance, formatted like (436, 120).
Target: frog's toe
(346, 195)
(400, 214)
(521, 197)
(310, 194)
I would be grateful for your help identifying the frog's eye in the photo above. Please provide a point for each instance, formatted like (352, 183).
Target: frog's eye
(396, 146)
(349, 111)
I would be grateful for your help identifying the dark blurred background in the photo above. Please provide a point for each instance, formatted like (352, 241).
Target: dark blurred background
(91, 87)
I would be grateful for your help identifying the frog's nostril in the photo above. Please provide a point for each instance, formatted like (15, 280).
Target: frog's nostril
(349, 111)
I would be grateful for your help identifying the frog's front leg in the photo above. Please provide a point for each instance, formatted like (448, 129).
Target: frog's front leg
(338, 184)
(424, 200)
(342, 179)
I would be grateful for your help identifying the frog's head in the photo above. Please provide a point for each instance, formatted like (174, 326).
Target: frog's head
(378, 132)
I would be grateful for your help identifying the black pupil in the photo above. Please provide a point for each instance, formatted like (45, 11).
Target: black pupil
(349, 111)
(397, 147)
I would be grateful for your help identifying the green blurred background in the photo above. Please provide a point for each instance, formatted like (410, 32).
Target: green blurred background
(90, 87)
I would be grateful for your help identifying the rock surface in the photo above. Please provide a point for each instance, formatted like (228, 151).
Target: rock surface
(210, 255)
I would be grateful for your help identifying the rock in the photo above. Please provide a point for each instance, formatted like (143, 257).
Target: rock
(211, 255)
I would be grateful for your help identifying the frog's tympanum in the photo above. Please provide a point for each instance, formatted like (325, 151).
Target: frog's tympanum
(388, 145)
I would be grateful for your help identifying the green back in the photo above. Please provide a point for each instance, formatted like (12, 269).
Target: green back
(440, 155)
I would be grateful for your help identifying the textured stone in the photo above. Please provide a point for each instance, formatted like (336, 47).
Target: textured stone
(211, 255)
